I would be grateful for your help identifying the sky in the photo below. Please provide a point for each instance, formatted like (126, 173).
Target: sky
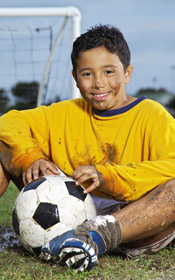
(148, 26)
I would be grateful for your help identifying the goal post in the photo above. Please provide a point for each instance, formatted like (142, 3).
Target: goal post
(68, 13)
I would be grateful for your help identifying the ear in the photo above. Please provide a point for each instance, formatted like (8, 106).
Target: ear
(128, 73)
(74, 75)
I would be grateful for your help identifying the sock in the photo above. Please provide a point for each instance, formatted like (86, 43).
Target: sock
(104, 231)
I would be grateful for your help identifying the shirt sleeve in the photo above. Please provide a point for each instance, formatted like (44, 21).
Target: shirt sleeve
(22, 140)
(131, 181)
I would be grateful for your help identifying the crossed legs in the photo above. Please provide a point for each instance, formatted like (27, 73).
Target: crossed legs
(142, 227)
(149, 218)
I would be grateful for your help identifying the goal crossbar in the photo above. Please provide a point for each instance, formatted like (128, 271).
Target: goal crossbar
(68, 11)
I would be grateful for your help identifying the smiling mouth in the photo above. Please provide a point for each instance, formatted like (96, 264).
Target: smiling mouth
(100, 96)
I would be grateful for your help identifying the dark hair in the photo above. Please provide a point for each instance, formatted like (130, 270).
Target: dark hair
(102, 35)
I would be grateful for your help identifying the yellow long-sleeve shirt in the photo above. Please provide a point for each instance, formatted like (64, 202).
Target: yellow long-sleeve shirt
(133, 147)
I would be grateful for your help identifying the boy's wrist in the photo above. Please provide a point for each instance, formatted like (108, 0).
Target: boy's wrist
(103, 177)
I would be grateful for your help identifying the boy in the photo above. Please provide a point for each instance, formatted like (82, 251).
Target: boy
(122, 149)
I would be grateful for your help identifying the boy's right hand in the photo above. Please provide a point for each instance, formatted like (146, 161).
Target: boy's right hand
(39, 168)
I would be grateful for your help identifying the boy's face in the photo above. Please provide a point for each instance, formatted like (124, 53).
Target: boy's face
(101, 79)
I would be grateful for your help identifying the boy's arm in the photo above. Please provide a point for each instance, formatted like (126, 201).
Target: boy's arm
(22, 135)
(124, 182)
(133, 180)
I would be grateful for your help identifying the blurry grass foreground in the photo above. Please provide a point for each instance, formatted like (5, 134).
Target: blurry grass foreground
(17, 264)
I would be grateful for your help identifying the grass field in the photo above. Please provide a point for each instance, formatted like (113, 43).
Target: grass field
(17, 264)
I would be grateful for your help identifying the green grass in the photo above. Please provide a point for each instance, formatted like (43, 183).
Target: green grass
(17, 264)
(6, 204)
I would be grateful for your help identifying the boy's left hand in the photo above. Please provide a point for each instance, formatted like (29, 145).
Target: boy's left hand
(84, 173)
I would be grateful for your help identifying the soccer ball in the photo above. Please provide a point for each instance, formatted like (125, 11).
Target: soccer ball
(48, 207)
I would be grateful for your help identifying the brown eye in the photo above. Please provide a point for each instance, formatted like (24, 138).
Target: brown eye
(108, 72)
(86, 74)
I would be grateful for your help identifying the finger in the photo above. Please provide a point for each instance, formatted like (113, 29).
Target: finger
(24, 178)
(28, 175)
(52, 167)
(84, 168)
(36, 171)
(85, 177)
(50, 172)
(91, 188)
(40, 169)
(79, 171)
(81, 168)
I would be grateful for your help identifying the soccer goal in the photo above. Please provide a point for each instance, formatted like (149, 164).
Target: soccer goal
(35, 49)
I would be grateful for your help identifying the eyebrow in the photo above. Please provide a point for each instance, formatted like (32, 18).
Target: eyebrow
(88, 68)
(84, 69)
(110, 65)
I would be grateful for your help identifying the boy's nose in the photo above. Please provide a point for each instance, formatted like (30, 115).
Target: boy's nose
(98, 82)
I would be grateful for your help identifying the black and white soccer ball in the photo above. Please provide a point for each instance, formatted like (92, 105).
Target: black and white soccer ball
(48, 207)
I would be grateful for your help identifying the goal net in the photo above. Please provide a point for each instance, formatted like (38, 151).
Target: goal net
(35, 49)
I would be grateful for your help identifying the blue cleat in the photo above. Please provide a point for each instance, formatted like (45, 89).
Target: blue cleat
(74, 251)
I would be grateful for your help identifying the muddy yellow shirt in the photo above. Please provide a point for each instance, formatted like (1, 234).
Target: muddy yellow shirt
(133, 147)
